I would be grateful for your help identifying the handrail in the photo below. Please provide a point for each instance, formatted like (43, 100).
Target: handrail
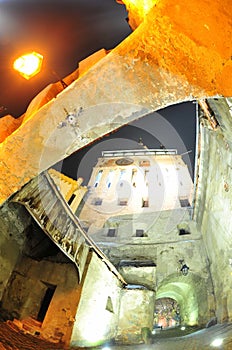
(75, 219)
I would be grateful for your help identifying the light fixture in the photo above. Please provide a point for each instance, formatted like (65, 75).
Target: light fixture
(184, 268)
(217, 342)
(28, 65)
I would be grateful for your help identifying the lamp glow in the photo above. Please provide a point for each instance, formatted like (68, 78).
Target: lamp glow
(28, 65)
(217, 342)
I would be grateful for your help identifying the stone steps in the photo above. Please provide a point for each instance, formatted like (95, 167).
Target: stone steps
(45, 203)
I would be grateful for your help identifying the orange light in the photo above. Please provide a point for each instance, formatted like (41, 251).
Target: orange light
(138, 9)
(29, 64)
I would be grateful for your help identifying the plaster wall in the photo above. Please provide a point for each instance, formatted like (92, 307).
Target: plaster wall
(26, 290)
(165, 249)
(160, 226)
(172, 56)
(162, 180)
(214, 205)
(68, 188)
(136, 315)
(14, 223)
(97, 314)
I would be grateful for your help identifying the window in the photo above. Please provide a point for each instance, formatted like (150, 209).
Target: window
(146, 172)
(97, 201)
(184, 202)
(144, 163)
(122, 175)
(139, 233)
(71, 199)
(183, 232)
(109, 178)
(133, 177)
(111, 232)
(145, 203)
(122, 202)
(98, 178)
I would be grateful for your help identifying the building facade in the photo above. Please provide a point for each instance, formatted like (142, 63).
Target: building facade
(135, 182)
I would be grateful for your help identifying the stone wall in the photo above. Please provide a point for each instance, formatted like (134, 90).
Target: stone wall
(14, 223)
(26, 290)
(173, 56)
(109, 312)
(165, 246)
(214, 205)
(136, 315)
(97, 314)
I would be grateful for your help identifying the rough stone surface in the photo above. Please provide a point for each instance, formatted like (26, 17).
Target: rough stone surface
(26, 291)
(214, 206)
(173, 56)
(14, 223)
(97, 314)
(9, 124)
(136, 313)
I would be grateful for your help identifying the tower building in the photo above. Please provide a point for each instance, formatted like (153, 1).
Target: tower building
(135, 182)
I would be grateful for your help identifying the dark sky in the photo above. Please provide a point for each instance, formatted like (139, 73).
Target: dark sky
(173, 127)
(65, 32)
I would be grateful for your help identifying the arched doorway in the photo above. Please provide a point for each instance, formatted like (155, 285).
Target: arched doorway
(167, 313)
(190, 294)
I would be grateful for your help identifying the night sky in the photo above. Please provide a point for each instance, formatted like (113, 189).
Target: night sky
(65, 32)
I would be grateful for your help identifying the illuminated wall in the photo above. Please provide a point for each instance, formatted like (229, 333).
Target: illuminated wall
(214, 203)
(71, 190)
(137, 182)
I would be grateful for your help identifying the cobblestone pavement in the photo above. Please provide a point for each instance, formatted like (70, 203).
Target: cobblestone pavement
(10, 339)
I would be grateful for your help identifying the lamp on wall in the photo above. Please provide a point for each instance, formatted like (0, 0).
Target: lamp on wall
(184, 268)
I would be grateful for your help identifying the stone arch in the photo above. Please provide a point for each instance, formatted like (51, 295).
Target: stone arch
(161, 63)
(190, 292)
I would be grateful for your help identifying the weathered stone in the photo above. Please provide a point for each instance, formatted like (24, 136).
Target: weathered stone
(172, 56)
(8, 125)
(214, 206)
(14, 223)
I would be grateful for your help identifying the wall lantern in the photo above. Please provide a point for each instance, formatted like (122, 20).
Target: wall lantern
(29, 64)
(184, 268)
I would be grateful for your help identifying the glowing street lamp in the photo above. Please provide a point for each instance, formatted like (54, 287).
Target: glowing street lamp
(28, 65)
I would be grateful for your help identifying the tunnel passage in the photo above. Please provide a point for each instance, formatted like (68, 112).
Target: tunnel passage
(190, 294)
(167, 313)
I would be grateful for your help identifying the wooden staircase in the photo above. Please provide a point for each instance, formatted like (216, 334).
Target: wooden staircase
(45, 203)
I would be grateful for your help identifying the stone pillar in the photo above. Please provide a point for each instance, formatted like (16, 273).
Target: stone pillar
(136, 316)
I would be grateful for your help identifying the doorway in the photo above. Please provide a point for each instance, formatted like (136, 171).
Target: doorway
(46, 301)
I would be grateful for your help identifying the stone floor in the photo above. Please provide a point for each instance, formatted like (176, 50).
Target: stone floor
(198, 340)
(10, 339)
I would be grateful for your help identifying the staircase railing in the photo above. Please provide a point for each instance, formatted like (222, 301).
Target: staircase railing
(43, 200)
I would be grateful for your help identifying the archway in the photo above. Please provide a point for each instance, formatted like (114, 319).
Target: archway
(167, 313)
(190, 293)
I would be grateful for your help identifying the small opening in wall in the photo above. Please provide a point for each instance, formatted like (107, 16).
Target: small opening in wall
(109, 305)
(183, 232)
(184, 202)
(46, 302)
(145, 203)
(122, 202)
(71, 199)
(111, 232)
(97, 201)
(139, 233)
